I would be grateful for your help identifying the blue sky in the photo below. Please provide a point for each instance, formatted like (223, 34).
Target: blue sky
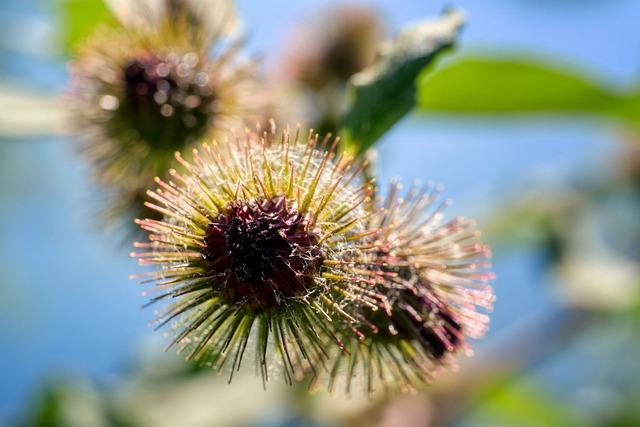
(599, 34)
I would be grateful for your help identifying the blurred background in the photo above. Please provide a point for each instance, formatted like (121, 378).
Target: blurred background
(532, 124)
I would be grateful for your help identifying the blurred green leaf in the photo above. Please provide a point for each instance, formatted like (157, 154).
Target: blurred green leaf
(78, 18)
(385, 92)
(485, 85)
(523, 405)
(67, 402)
(47, 413)
(536, 218)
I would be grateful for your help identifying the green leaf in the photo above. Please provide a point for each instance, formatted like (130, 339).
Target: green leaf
(78, 18)
(485, 85)
(523, 405)
(385, 92)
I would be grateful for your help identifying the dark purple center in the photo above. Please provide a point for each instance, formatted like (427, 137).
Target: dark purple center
(146, 79)
(263, 252)
(420, 315)
(439, 332)
(167, 101)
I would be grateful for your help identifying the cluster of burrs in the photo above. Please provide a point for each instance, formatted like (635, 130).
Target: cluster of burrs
(274, 244)
(270, 244)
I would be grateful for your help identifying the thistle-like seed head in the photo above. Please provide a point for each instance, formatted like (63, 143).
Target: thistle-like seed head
(433, 280)
(254, 247)
(140, 92)
(334, 46)
(274, 240)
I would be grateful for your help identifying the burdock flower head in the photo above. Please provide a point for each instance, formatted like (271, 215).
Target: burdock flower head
(272, 242)
(433, 276)
(333, 47)
(150, 87)
(322, 55)
(253, 250)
